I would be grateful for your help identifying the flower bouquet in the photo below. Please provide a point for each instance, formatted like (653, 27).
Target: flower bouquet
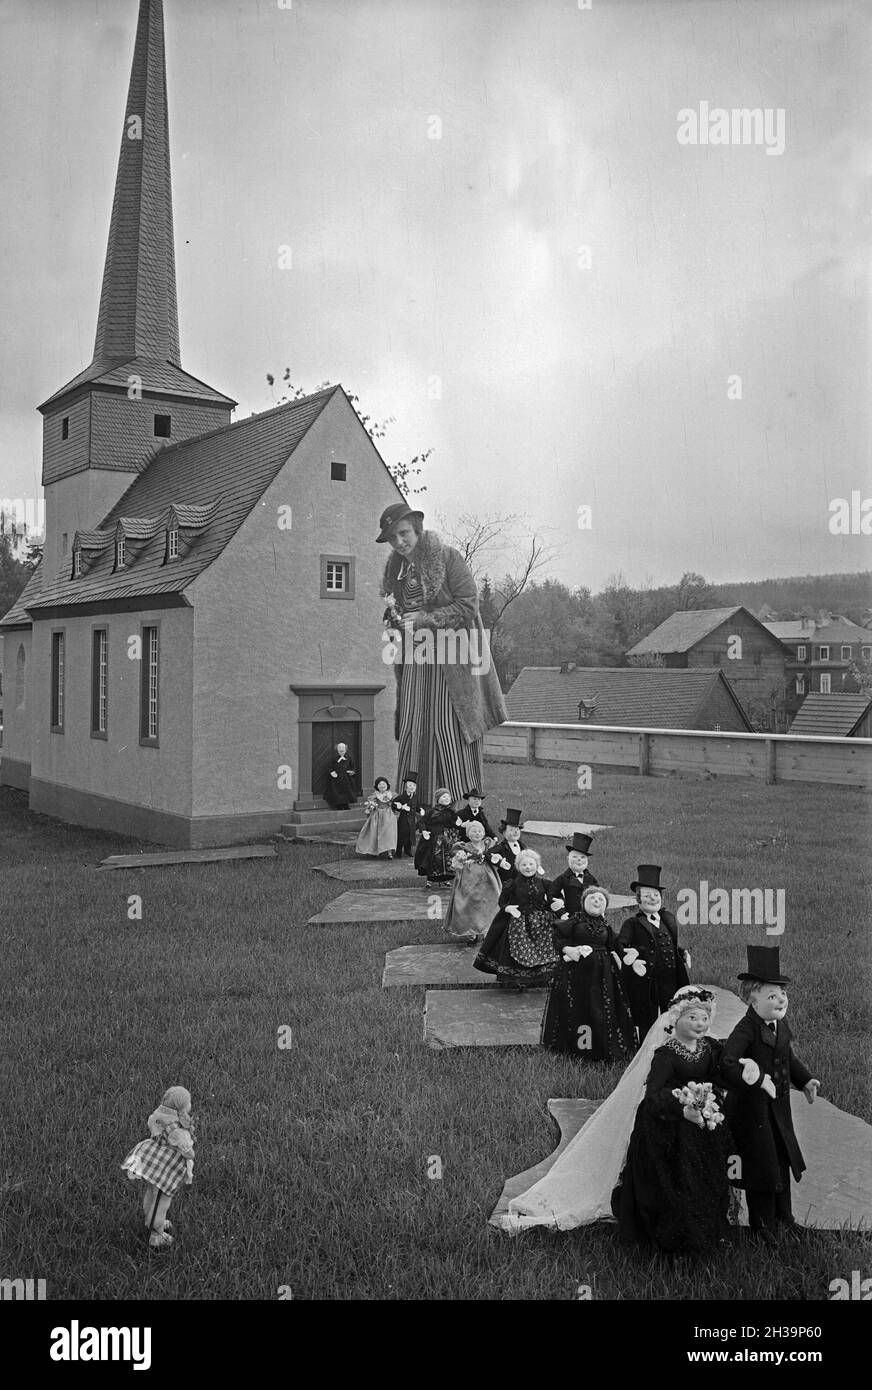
(701, 1096)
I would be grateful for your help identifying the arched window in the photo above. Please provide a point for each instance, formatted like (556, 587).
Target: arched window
(20, 676)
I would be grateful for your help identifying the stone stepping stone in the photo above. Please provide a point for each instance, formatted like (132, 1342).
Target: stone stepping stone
(557, 829)
(483, 1018)
(186, 856)
(836, 1188)
(328, 837)
(362, 870)
(380, 905)
(442, 963)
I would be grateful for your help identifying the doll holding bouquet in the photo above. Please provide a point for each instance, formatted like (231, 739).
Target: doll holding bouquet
(378, 833)
(475, 893)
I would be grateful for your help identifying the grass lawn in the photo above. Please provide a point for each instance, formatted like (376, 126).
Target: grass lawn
(312, 1162)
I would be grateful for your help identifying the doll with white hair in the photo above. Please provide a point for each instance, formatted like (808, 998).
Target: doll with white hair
(164, 1162)
(587, 1015)
(519, 947)
(475, 893)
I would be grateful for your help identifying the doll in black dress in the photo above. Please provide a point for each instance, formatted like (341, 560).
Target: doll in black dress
(673, 1194)
(438, 838)
(587, 1014)
(519, 947)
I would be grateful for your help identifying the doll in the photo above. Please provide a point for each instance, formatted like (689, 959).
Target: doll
(519, 947)
(378, 834)
(164, 1161)
(654, 964)
(433, 856)
(472, 810)
(409, 812)
(587, 1014)
(340, 790)
(673, 1194)
(759, 1110)
(504, 854)
(475, 893)
(569, 886)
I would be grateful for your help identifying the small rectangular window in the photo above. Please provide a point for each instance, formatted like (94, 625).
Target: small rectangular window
(866, 653)
(338, 472)
(823, 653)
(162, 426)
(77, 564)
(57, 682)
(801, 653)
(173, 544)
(337, 576)
(825, 683)
(758, 657)
(800, 685)
(65, 427)
(149, 713)
(846, 653)
(99, 682)
(119, 554)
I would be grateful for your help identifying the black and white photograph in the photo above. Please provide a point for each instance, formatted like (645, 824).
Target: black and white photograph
(435, 669)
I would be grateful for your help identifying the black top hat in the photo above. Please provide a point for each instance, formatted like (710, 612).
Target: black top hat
(580, 843)
(763, 966)
(512, 817)
(392, 516)
(474, 791)
(649, 877)
(410, 777)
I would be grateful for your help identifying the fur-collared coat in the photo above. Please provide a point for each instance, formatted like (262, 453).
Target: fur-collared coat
(451, 602)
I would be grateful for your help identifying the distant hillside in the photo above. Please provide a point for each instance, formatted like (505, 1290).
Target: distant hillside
(847, 594)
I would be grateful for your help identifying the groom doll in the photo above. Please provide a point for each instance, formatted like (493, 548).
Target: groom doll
(654, 965)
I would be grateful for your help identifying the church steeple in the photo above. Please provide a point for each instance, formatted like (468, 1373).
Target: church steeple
(138, 314)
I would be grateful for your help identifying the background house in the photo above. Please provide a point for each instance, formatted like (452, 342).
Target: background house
(822, 652)
(205, 621)
(631, 697)
(751, 656)
(834, 716)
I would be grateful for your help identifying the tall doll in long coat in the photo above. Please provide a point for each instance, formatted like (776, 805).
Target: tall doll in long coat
(519, 947)
(410, 814)
(759, 1112)
(655, 965)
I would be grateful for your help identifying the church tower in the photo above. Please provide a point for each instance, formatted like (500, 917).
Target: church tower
(105, 425)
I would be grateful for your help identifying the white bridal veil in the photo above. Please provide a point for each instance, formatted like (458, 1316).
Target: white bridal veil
(577, 1189)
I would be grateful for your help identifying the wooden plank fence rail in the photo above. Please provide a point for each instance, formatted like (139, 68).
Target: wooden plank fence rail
(770, 758)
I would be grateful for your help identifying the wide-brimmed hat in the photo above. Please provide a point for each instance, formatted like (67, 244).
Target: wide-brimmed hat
(764, 966)
(391, 517)
(512, 817)
(580, 843)
(474, 791)
(648, 877)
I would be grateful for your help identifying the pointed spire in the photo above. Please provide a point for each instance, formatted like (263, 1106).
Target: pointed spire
(138, 311)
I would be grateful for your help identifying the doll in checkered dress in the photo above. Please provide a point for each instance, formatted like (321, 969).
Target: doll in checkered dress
(164, 1161)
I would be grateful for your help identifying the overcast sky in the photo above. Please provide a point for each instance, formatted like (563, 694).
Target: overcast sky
(460, 258)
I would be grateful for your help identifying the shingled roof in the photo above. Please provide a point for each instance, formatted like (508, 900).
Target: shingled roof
(682, 630)
(647, 697)
(830, 716)
(212, 481)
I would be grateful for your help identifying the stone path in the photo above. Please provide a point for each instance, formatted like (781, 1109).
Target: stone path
(483, 1018)
(559, 829)
(442, 963)
(360, 870)
(384, 905)
(836, 1188)
(186, 856)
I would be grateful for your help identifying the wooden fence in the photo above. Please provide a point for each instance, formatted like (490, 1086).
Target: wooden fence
(658, 752)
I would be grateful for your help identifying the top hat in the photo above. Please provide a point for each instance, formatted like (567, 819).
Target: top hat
(763, 966)
(649, 877)
(391, 517)
(474, 791)
(410, 777)
(512, 817)
(580, 843)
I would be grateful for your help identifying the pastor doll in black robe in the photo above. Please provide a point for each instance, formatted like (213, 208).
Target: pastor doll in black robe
(340, 790)
(654, 964)
(759, 1111)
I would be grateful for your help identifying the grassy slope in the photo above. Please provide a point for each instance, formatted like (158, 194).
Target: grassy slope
(311, 1167)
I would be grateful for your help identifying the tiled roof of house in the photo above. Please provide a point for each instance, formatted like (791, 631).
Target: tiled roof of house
(838, 631)
(830, 716)
(681, 631)
(647, 697)
(213, 481)
(18, 615)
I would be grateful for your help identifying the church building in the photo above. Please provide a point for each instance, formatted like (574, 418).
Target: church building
(205, 623)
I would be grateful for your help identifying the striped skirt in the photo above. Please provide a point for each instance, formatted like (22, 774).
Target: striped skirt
(431, 740)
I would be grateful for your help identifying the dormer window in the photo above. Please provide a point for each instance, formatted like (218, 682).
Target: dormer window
(77, 564)
(173, 543)
(119, 553)
(586, 709)
(162, 426)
